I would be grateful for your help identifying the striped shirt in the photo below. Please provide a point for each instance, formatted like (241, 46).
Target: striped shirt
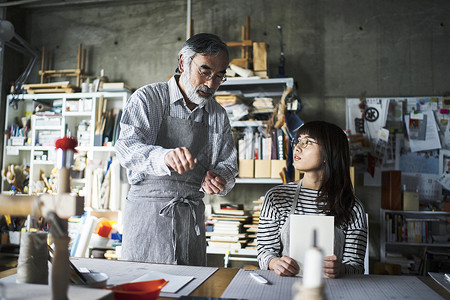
(275, 210)
(140, 123)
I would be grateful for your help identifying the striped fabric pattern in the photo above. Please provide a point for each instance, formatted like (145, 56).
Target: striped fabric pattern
(275, 210)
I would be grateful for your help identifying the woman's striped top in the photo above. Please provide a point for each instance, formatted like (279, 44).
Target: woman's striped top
(275, 210)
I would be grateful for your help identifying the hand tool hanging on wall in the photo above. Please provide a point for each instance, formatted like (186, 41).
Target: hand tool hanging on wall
(282, 58)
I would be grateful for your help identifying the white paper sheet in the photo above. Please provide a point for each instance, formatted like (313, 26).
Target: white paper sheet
(432, 140)
(175, 282)
(301, 236)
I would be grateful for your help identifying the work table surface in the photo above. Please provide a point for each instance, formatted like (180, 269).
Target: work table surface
(215, 285)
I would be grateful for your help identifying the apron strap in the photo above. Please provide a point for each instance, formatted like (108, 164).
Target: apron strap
(297, 193)
(168, 211)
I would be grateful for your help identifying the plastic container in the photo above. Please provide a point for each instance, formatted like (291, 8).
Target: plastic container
(145, 290)
(96, 279)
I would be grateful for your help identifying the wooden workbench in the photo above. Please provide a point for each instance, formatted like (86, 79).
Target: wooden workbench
(216, 284)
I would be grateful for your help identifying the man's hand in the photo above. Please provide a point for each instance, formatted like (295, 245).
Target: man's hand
(213, 184)
(284, 266)
(180, 160)
(331, 267)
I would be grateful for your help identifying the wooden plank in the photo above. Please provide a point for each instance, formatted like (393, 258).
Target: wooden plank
(48, 72)
(45, 85)
(55, 90)
(244, 43)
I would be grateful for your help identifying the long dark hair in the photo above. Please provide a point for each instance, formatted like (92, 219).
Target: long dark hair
(336, 197)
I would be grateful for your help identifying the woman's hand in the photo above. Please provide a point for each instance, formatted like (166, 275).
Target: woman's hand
(331, 267)
(284, 266)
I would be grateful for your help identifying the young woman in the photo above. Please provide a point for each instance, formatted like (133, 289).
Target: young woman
(322, 152)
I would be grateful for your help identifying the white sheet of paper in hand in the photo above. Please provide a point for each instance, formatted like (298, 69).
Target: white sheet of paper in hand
(301, 236)
(175, 282)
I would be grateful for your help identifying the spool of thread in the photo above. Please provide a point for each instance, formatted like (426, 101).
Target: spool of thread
(33, 258)
(313, 266)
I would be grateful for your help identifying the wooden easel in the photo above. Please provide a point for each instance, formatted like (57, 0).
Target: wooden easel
(78, 72)
(246, 43)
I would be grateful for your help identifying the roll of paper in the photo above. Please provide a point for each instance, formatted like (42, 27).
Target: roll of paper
(33, 258)
(241, 71)
(85, 238)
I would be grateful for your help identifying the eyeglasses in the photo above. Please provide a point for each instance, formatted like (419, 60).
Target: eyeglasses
(302, 142)
(208, 76)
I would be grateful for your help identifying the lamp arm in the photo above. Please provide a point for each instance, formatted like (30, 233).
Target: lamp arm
(23, 47)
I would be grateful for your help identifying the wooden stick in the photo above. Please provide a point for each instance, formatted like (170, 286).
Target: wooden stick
(42, 64)
(247, 36)
(243, 39)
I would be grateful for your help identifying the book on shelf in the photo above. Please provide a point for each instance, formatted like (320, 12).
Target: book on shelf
(218, 235)
(226, 245)
(231, 206)
(251, 245)
(227, 231)
(411, 230)
(251, 227)
(230, 217)
(226, 238)
(237, 212)
(115, 87)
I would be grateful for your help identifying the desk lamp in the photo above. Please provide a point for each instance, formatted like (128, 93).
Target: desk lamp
(16, 42)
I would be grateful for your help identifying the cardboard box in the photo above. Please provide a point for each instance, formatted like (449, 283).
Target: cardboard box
(259, 56)
(262, 168)
(246, 168)
(276, 168)
(18, 140)
(411, 201)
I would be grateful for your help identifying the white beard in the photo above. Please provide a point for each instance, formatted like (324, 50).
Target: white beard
(192, 93)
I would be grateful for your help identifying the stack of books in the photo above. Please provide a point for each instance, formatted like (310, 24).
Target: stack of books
(252, 229)
(227, 230)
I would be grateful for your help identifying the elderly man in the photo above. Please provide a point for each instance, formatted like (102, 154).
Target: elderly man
(176, 144)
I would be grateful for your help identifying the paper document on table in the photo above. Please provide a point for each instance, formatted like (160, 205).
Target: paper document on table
(175, 282)
(301, 236)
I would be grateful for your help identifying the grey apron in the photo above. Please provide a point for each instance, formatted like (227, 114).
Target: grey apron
(339, 235)
(164, 215)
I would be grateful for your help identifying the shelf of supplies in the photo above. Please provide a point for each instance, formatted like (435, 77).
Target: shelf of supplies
(417, 212)
(256, 87)
(77, 114)
(259, 180)
(419, 244)
(44, 148)
(243, 251)
(104, 148)
(56, 127)
(19, 148)
(288, 81)
(246, 123)
(43, 162)
(96, 148)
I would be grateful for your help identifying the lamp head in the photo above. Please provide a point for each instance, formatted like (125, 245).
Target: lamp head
(6, 30)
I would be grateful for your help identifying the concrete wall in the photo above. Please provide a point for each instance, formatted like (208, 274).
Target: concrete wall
(334, 48)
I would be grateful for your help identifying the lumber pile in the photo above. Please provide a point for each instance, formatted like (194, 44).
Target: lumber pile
(55, 87)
